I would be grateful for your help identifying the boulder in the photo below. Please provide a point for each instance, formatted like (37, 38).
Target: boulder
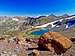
(54, 40)
(36, 53)
(62, 40)
(72, 39)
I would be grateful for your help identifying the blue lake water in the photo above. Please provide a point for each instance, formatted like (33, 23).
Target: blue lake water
(40, 32)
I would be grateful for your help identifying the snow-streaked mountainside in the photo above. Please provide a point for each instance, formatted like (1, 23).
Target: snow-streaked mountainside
(25, 22)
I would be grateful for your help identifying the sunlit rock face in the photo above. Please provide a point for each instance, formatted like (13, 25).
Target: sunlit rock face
(56, 41)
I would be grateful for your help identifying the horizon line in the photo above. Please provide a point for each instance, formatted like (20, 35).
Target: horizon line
(56, 14)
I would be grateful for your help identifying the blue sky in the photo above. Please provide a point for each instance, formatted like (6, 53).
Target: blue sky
(36, 7)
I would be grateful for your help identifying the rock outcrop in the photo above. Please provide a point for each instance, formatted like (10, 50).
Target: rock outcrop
(36, 53)
(54, 40)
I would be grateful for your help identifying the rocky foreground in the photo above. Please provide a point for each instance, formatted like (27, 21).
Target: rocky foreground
(31, 47)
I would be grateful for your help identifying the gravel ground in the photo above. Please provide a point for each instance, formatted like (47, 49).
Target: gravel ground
(13, 49)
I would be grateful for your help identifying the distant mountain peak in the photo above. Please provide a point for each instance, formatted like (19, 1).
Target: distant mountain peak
(65, 15)
(52, 15)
